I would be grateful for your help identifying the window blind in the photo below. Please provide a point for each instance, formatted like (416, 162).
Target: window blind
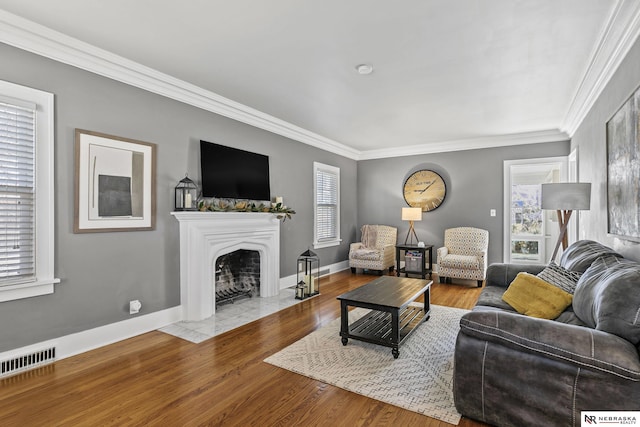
(17, 193)
(327, 205)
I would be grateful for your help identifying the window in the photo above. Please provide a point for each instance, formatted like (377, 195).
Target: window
(525, 230)
(326, 189)
(26, 192)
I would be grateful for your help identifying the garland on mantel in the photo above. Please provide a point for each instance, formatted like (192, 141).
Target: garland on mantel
(218, 205)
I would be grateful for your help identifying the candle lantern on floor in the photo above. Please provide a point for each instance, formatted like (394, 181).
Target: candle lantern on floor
(186, 195)
(308, 274)
(300, 289)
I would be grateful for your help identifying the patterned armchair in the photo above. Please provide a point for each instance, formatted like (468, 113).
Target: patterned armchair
(376, 250)
(464, 255)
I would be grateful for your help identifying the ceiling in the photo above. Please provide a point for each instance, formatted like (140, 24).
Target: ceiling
(447, 74)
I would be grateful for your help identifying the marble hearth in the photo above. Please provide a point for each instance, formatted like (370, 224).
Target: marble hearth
(205, 236)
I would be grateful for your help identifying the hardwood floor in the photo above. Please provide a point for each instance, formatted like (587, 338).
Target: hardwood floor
(156, 379)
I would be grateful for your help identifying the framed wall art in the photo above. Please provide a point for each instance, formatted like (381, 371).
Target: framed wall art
(623, 170)
(115, 183)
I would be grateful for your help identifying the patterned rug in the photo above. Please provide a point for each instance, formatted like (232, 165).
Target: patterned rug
(420, 380)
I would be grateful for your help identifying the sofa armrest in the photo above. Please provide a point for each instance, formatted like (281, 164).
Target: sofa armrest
(441, 253)
(502, 275)
(389, 254)
(581, 346)
(355, 246)
(389, 248)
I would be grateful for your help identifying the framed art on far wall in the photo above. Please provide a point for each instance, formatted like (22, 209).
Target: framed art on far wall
(115, 183)
(623, 170)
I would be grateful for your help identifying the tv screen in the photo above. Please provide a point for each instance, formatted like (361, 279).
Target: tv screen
(232, 173)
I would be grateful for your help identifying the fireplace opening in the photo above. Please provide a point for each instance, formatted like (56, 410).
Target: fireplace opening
(237, 275)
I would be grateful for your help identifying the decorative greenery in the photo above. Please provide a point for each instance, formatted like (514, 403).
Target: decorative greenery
(219, 205)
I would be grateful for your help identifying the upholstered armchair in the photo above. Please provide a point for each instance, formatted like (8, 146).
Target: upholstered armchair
(376, 250)
(464, 254)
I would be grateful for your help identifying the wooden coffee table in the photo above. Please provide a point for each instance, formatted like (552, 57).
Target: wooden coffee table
(392, 317)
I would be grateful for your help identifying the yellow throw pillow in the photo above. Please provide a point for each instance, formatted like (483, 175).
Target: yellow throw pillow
(532, 296)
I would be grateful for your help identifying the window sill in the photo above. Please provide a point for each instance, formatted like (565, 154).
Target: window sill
(326, 244)
(27, 290)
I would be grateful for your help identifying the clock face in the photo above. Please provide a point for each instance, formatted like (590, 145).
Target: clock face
(424, 189)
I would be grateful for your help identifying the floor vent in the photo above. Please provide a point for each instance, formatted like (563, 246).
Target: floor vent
(28, 361)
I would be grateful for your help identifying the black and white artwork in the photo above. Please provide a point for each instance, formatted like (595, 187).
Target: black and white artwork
(623, 170)
(115, 183)
(114, 196)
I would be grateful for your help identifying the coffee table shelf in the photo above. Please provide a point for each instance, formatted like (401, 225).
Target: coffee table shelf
(375, 326)
(394, 313)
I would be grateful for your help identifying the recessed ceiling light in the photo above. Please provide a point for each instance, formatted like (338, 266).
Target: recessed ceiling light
(364, 69)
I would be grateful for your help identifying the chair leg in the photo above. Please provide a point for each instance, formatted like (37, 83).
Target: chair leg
(443, 280)
(479, 283)
(353, 270)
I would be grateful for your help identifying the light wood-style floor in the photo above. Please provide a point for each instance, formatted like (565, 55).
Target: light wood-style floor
(159, 380)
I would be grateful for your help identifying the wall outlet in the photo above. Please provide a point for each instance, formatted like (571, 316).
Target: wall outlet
(492, 212)
(134, 306)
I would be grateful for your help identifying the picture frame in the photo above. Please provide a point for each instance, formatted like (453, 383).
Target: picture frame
(623, 170)
(115, 183)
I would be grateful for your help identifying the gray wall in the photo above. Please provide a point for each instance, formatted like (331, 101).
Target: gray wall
(590, 141)
(474, 180)
(102, 272)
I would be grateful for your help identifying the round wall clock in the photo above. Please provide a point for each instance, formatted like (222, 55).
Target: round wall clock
(424, 189)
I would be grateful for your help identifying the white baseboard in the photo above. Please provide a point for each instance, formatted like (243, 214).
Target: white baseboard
(289, 281)
(70, 345)
(80, 342)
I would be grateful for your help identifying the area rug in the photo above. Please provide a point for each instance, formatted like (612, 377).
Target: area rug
(419, 380)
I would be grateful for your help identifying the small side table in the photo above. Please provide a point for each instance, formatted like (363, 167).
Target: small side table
(422, 250)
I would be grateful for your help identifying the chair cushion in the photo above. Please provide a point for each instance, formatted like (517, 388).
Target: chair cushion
(366, 254)
(470, 262)
(560, 277)
(532, 296)
(607, 297)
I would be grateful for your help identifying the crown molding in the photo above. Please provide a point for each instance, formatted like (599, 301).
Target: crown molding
(43, 41)
(617, 38)
(551, 135)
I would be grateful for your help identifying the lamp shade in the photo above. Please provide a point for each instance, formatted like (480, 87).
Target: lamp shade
(570, 196)
(412, 214)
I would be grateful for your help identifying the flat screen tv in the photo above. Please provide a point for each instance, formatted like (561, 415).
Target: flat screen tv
(232, 173)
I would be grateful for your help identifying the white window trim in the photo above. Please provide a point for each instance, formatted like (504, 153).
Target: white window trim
(44, 219)
(333, 242)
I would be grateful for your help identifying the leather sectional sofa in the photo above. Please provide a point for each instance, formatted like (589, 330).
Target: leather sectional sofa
(512, 369)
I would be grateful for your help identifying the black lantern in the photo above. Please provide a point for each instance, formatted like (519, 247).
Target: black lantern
(308, 278)
(186, 195)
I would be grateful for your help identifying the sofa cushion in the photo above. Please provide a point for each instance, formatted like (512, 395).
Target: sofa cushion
(491, 296)
(607, 297)
(366, 254)
(560, 277)
(581, 254)
(532, 296)
(460, 261)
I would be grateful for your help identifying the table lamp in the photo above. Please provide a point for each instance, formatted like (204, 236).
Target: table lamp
(411, 214)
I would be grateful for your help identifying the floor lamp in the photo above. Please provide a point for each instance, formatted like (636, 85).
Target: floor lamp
(411, 214)
(565, 198)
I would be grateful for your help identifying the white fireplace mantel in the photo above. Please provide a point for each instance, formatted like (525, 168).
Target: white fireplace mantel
(205, 236)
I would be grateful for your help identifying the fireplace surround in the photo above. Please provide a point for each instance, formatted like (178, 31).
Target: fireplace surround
(205, 236)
